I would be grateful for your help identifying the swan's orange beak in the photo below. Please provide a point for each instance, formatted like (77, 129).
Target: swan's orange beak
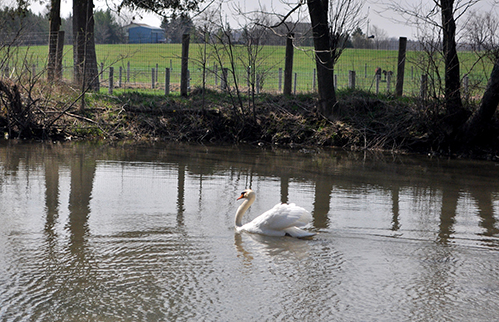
(241, 196)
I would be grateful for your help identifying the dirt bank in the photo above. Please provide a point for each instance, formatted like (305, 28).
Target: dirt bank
(363, 121)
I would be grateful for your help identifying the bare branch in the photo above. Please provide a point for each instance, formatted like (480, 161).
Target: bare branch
(285, 17)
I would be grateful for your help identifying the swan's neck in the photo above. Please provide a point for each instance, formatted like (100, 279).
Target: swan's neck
(242, 209)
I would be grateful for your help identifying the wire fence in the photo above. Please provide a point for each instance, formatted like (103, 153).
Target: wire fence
(145, 66)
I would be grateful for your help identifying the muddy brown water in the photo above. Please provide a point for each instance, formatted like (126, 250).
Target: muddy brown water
(90, 232)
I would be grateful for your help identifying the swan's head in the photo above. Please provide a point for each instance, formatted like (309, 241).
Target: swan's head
(247, 194)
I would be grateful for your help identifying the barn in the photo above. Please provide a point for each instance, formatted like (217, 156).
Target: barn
(139, 33)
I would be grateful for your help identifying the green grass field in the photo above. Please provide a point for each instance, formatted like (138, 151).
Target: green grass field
(143, 57)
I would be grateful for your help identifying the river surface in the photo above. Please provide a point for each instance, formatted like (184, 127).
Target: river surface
(91, 232)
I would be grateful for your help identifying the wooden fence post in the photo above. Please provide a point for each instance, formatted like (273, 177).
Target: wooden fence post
(280, 79)
(294, 85)
(128, 72)
(377, 79)
(119, 76)
(314, 80)
(351, 79)
(389, 81)
(466, 86)
(153, 75)
(223, 82)
(424, 87)
(185, 65)
(257, 84)
(101, 72)
(288, 64)
(399, 87)
(167, 81)
(111, 76)
(248, 76)
(216, 74)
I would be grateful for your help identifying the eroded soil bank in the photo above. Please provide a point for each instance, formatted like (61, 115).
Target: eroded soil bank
(363, 121)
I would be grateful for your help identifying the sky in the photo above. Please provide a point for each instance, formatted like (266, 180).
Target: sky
(375, 11)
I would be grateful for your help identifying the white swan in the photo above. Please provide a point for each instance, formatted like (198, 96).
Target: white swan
(283, 219)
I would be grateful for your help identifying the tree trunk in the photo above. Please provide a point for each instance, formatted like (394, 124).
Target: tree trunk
(54, 26)
(483, 115)
(59, 55)
(288, 64)
(85, 60)
(453, 102)
(324, 55)
(184, 74)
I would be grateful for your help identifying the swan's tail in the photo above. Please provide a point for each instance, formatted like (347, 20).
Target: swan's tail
(297, 232)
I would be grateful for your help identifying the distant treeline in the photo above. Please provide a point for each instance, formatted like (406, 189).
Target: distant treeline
(25, 28)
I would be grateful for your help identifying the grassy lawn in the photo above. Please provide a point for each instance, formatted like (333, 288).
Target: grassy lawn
(143, 57)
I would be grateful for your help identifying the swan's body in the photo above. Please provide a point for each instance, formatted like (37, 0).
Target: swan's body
(281, 220)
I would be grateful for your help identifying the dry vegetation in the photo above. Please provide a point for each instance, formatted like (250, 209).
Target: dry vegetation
(365, 121)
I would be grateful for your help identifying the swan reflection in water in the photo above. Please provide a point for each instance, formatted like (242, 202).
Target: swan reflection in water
(249, 246)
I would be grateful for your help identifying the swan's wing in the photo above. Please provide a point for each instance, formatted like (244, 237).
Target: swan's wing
(283, 216)
(297, 232)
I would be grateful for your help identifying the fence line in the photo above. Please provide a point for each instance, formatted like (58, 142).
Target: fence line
(136, 62)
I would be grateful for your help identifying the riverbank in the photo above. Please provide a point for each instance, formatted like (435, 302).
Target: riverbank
(363, 122)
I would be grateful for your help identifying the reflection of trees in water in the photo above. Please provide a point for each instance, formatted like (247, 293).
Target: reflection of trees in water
(51, 200)
(284, 188)
(327, 169)
(330, 171)
(78, 278)
(322, 202)
(488, 222)
(450, 196)
(180, 193)
(482, 195)
(395, 208)
(82, 178)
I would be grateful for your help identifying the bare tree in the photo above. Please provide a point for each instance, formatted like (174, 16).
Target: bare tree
(441, 16)
(332, 22)
(256, 61)
(380, 36)
(453, 102)
(481, 118)
(85, 61)
(482, 34)
(219, 35)
(54, 26)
